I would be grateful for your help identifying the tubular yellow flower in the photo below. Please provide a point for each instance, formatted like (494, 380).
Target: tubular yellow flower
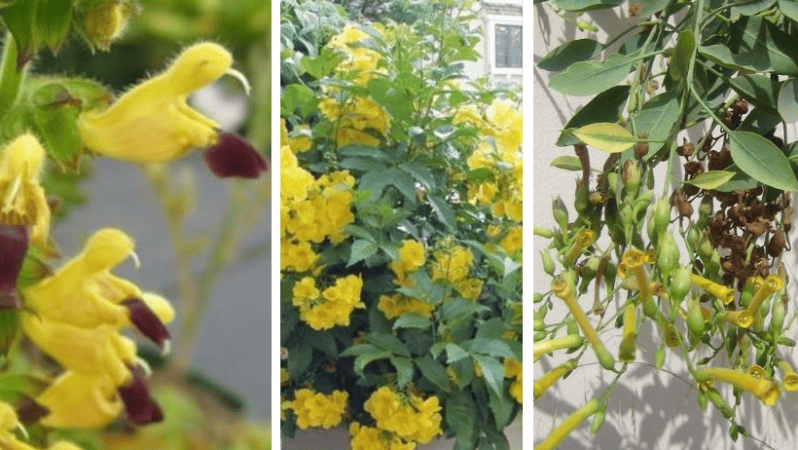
(583, 240)
(80, 401)
(634, 260)
(562, 289)
(742, 318)
(83, 292)
(756, 371)
(670, 334)
(545, 382)
(23, 201)
(763, 389)
(153, 123)
(723, 293)
(772, 284)
(568, 425)
(790, 377)
(569, 341)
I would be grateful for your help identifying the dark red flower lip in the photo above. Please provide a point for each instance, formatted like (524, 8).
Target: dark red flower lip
(145, 320)
(233, 156)
(14, 241)
(141, 408)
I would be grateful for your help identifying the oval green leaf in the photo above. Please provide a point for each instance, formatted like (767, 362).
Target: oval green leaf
(788, 101)
(682, 54)
(591, 77)
(568, 53)
(712, 179)
(607, 137)
(567, 163)
(762, 160)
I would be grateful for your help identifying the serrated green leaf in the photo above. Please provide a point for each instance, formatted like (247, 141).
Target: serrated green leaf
(567, 163)
(362, 164)
(55, 116)
(388, 342)
(434, 372)
(607, 137)
(53, 18)
(420, 173)
(712, 179)
(568, 53)
(591, 77)
(492, 371)
(412, 320)
(501, 405)
(491, 347)
(762, 160)
(454, 352)
(443, 210)
(361, 250)
(404, 370)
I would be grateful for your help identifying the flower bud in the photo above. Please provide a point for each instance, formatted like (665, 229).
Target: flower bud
(571, 327)
(537, 297)
(612, 182)
(104, 22)
(598, 421)
(560, 213)
(659, 357)
(681, 283)
(548, 263)
(695, 318)
(543, 232)
(581, 202)
(667, 254)
(702, 401)
(777, 317)
(631, 176)
(662, 215)
(714, 396)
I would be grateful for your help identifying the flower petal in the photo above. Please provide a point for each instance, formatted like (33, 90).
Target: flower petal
(234, 157)
(14, 244)
(139, 404)
(145, 320)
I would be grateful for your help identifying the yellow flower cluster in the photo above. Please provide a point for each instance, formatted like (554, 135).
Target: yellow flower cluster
(8, 441)
(514, 369)
(408, 415)
(359, 61)
(333, 306)
(295, 182)
(504, 193)
(454, 264)
(395, 305)
(356, 119)
(370, 438)
(314, 409)
(411, 258)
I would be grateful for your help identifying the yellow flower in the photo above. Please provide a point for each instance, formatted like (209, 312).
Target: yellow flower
(394, 306)
(23, 201)
(370, 438)
(153, 123)
(412, 254)
(80, 401)
(410, 417)
(315, 409)
(83, 292)
(514, 240)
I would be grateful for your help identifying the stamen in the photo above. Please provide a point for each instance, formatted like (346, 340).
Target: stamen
(136, 260)
(240, 77)
(145, 366)
(22, 430)
(166, 348)
(12, 192)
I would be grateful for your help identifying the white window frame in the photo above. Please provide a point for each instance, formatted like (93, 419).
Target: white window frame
(490, 22)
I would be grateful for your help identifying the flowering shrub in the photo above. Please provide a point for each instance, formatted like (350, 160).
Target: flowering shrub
(696, 255)
(76, 313)
(401, 194)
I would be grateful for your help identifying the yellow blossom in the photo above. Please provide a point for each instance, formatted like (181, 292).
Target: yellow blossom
(80, 401)
(370, 438)
(411, 254)
(514, 240)
(315, 409)
(23, 201)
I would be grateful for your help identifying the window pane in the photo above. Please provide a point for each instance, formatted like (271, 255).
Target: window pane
(508, 46)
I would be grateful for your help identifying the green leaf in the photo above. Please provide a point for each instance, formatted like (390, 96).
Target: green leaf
(55, 116)
(443, 210)
(659, 116)
(787, 102)
(604, 107)
(404, 370)
(359, 349)
(300, 356)
(790, 9)
(757, 89)
(362, 164)
(9, 328)
(762, 160)
(15, 385)
(491, 329)
(10, 76)
(568, 53)
(434, 372)
(363, 150)
(567, 163)
(412, 320)
(491, 347)
(479, 175)
(321, 65)
(651, 7)
(459, 412)
(591, 77)
(420, 173)
(492, 371)
(501, 404)
(388, 342)
(712, 179)
(297, 96)
(751, 7)
(53, 18)
(607, 137)
(682, 55)
(362, 361)
(454, 352)
(758, 46)
(586, 5)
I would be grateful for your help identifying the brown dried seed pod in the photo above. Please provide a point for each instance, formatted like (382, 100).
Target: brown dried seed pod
(685, 149)
(681, 203)
(756, 228)
(641, 149)
(693, 169)
(740, 106)
(776, 244)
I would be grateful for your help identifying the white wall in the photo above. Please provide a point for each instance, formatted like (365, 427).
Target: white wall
(648, 410)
